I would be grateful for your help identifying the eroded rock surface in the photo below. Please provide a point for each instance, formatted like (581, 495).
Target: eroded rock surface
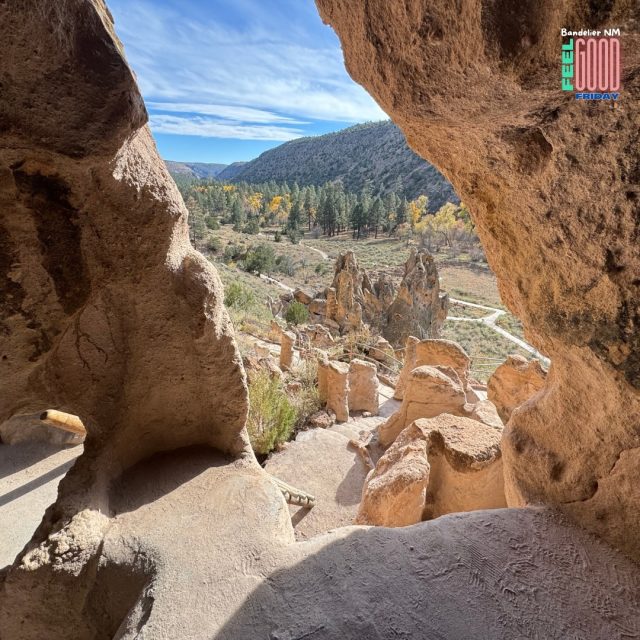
(475, 89)
(419, 308)
(108, 312)
(513, 383)
(435, 466)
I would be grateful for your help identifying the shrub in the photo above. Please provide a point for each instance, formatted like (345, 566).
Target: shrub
(260, 259)
(238, 296)
(232, 252)
(272, 416)
(252, 227)
(214, 245)
(277, 236)
(212, 223)
(297, 313)
(286, 265)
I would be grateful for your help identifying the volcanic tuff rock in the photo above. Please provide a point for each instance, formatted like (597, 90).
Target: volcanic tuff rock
(110, 314)
(513, 383)
(441, 465)
(418, 308)
(474, 87)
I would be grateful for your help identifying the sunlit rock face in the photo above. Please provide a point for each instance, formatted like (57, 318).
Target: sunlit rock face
(552, 184)
(107, 312)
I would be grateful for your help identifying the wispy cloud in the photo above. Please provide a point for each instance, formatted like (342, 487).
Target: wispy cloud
(249, 69)
(228, 112)
(212, 128)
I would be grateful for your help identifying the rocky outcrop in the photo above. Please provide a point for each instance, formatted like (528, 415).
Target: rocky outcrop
(335, 388)
(442, 465)
(108, 312)
(346, 387)
(513, 383)
(363, 386)
(430, 391)
(419, 308)
(469, 88)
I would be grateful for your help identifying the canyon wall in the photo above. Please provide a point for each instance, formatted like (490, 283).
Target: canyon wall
(552, 184)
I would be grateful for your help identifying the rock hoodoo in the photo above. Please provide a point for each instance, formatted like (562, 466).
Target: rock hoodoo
(417, 308)
(441, 465)
(513, 383)
(475, 90)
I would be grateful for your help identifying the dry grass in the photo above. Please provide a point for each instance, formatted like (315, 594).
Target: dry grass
(486, 348)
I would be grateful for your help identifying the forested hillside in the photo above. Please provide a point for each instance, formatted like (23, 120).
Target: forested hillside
(374, 153)
(195, 169)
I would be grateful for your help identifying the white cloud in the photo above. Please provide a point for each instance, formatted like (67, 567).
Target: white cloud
(270, 65)
(228, 112)
(212, 128)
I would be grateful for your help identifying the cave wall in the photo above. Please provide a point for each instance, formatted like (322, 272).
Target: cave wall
(107, 310)
(552, 184)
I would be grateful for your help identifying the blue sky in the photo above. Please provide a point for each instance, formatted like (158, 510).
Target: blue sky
(225, 80)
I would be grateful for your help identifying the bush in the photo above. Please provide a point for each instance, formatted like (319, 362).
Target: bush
(214, 245)
(272, 416)
(294, 236)
(286, 265)
(252, 227)
(212, 223)
(261, 259)
(232, 252)
(296, 313)
(277, 236)
(237, 296)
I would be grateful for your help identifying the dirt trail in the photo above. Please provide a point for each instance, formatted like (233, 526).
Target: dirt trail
(490, 321)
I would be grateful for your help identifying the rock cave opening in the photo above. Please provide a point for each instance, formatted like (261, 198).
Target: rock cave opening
(166, 525)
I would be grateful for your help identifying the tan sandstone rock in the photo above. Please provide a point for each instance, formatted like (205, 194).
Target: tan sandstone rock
(420, 308)
(363, 386)
(464, 83)
(430, 391)
(442, 465)
(336, 388)
(514, 382)
(408, 366)
(287, 340)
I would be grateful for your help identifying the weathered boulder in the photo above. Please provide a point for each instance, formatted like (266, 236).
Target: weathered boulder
(319, 336)
(322, 419)
(430, 391)
(419, 308)
(335, 387)
(383, 352)
(465, 85)
(445, 353)
(287, 340)
(363, 386)
(408, 366)
(441, 465)
(514, 382)
(303, 296)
